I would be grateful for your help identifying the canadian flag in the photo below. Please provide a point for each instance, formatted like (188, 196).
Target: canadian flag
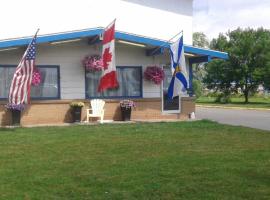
(109, 75)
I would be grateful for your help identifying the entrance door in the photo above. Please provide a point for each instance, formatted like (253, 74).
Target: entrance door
(169, 105)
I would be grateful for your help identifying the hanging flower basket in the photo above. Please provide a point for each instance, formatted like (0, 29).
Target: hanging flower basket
(36, 77)
(93, 63)
(155, 74)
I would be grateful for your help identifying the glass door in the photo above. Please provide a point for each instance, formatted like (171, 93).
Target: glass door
(169, 105)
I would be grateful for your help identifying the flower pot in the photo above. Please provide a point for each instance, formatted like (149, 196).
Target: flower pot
(126, 113)
(16, 117)
(76, 113)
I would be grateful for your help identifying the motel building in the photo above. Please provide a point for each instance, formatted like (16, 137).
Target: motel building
(65, 79)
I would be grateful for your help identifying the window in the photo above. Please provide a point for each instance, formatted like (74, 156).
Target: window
(130, 84)
(50, 85)
(48, 89)
(169, 106)
(6, 74)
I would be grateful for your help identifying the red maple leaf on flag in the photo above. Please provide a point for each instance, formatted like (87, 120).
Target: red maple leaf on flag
(107, 57)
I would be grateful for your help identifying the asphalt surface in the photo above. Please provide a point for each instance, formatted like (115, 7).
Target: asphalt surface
(249, 118)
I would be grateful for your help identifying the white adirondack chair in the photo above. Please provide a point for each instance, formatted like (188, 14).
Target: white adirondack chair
(96, 110)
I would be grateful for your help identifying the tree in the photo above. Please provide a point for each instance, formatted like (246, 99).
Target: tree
(221, 43)
(219, 77)
(197, 88)
(200, 40)
(267, 75)
(248, 63)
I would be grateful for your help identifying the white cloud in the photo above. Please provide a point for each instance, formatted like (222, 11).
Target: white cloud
(23, 17)
(221, 16)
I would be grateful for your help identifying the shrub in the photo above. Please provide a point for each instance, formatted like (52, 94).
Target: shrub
(223, 98)
(197, 88)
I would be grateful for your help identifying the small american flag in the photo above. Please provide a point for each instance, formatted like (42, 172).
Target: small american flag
(19, 92)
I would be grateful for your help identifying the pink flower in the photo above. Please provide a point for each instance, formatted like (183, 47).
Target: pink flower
(93, 63)
(127, 103)
(155, 74)
(36, 77)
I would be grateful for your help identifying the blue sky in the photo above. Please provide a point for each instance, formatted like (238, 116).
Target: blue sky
(215, 16)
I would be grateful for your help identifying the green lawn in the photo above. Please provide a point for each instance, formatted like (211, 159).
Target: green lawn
(254, 102)
(177, 160)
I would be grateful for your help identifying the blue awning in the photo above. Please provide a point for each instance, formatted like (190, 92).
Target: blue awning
(9, 43)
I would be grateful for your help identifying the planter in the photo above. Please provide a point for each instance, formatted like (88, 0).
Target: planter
(126, 113)
(76, 114)
(16, 117)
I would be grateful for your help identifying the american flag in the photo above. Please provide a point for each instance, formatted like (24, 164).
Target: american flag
(19, 92)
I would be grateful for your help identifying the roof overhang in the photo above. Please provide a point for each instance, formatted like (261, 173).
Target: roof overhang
(91, 33)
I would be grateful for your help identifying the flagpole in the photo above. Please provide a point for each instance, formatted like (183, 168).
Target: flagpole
(101, 34)
(110, 23)
(33, 38)
(37, 31)
(175, 36)
(166, 42)
(34, 35)
(30, 43)
(16, 90)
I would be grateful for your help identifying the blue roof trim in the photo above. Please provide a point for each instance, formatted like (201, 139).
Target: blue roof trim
(140, 39)
(199, 59)
(209, 52)
(156, 42)
(50, 38)
(118, 35)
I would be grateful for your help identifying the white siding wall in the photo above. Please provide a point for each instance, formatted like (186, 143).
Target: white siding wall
(72, 75)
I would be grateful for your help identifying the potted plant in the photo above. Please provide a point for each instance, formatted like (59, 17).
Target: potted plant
(16, 110)
(126, 106)
(76, 110)
(155, 74)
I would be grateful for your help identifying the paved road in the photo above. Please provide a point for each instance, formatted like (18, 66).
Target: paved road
(249, 118)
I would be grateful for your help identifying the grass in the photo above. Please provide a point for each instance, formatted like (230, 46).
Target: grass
(177, 160)
(254, 102)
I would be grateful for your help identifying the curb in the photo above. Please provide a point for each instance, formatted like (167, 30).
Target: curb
(135, 121)
(231, 107)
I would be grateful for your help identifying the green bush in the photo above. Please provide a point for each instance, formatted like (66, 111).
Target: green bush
(223, 98)
(213, 94)
(197, 88)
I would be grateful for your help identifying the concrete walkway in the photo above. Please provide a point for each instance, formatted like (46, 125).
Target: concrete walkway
(84, 123)
(250, 118)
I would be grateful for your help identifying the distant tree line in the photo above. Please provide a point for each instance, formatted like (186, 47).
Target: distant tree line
(247, 67)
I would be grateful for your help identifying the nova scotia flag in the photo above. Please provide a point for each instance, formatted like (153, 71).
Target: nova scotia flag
(179, 82)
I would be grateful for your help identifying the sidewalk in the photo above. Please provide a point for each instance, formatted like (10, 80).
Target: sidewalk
(137, 121)
(234, 116)
(231, 107)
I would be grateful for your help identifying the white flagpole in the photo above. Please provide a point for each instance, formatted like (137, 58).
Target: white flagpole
(34, 36)
(18, 68)
(101, 34)
(110, 23)
(166, 42)
(30, 43)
